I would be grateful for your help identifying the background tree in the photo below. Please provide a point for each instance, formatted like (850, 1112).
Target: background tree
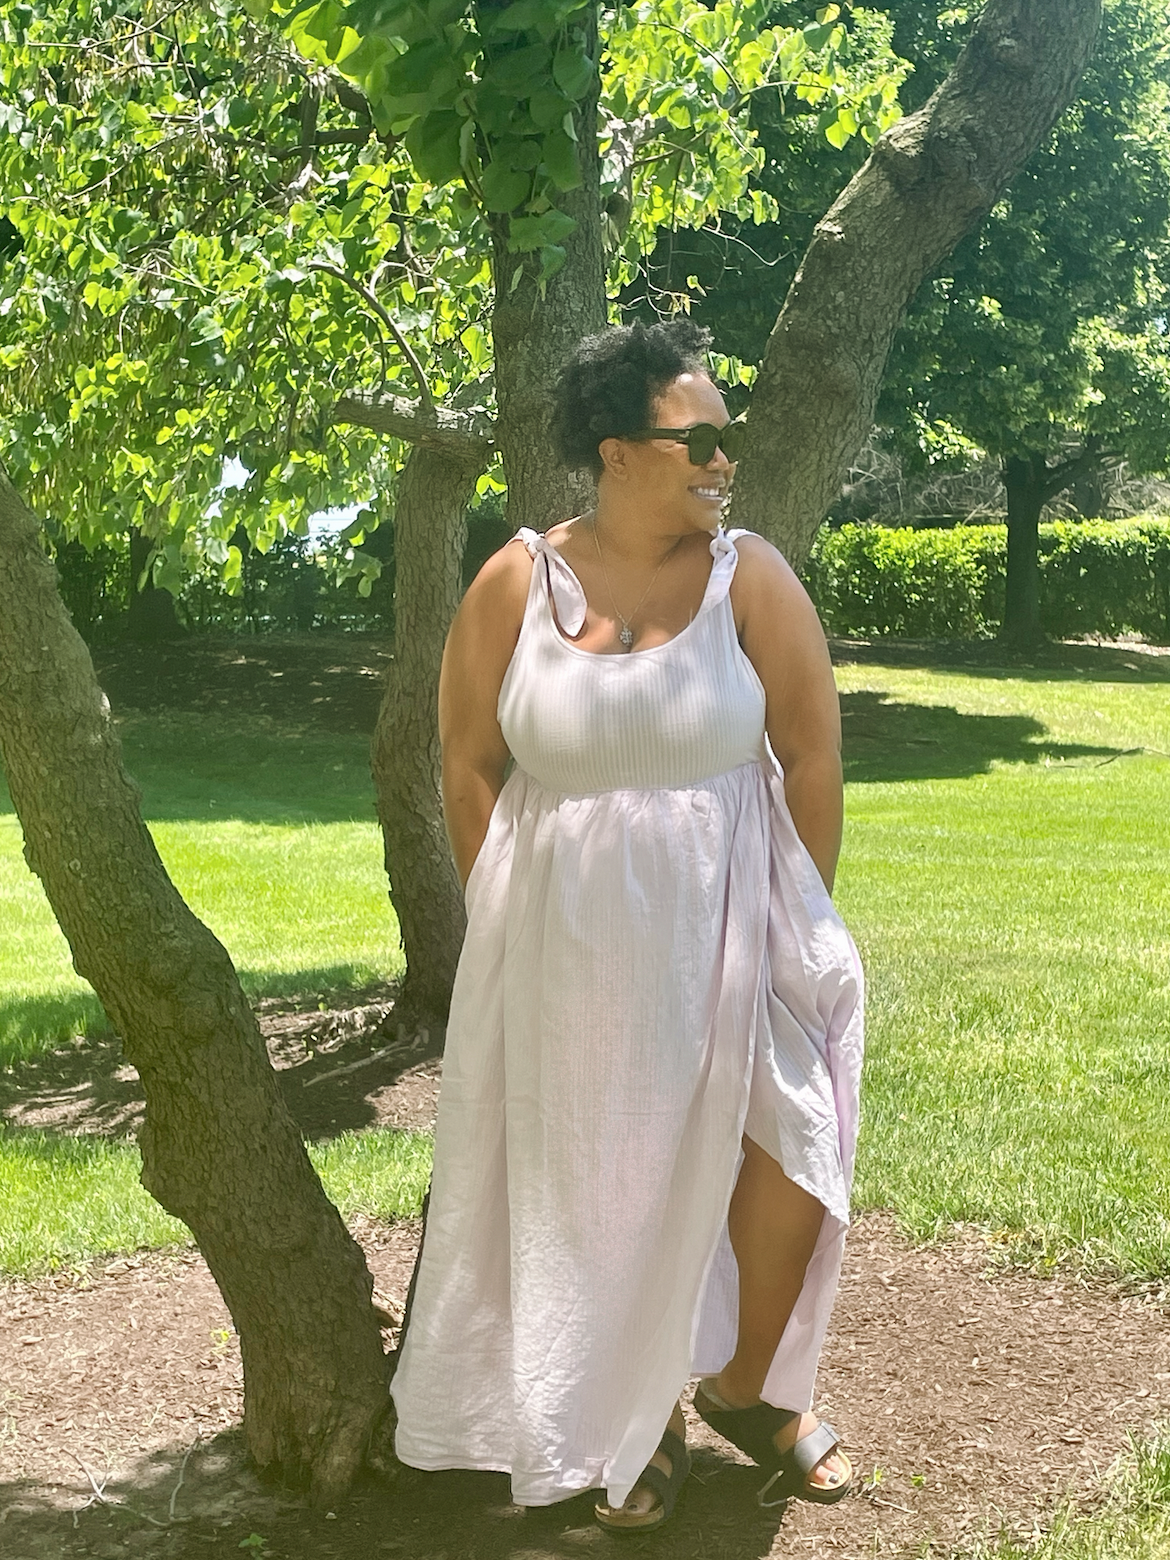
(1043, 339)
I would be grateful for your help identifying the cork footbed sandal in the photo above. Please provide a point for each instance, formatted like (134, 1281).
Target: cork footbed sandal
(752, 1430)
(665, 1485)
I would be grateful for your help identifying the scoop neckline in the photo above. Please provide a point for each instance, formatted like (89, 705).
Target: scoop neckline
(628, 655)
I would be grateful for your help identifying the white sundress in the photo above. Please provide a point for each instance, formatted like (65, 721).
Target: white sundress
(652, 969)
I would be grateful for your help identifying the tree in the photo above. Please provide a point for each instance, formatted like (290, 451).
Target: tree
(202, 300)
(1043, 340)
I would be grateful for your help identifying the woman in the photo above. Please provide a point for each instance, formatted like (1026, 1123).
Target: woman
(648, 1111)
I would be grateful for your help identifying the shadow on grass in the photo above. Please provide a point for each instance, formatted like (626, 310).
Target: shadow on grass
(417, 1516)
(332, 1064)
(1055, 661)
(885, 740)
(30, 1026)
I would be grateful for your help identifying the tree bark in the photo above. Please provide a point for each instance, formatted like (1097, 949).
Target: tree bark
(430, 530)
(1025, 479)
(534, 333)
(151, 616)
(219, 1149)
(929, 179)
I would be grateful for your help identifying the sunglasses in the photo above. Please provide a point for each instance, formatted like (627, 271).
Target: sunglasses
(702, 440)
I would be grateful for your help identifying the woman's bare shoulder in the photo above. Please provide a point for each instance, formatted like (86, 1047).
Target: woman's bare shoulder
(500, 589)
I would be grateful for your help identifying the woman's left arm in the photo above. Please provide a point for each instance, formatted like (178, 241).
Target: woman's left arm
(782, 637)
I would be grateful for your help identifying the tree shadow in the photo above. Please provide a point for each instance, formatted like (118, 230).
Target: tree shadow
(221, 1504)
(334, 1066)
(1054, 661)
(885, 740)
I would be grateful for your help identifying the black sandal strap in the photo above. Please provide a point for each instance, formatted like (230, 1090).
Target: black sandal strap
(813, 1448)
(751, 1429)
(667, 1485)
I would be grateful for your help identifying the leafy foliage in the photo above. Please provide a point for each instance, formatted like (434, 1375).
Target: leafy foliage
(1047, 327)
(1102, 577)
(209, 231)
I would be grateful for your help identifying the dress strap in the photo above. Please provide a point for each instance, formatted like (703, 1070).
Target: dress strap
(567, 596)
(723, 569)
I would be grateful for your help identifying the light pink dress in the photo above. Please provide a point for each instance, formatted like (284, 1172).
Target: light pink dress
(652, 968)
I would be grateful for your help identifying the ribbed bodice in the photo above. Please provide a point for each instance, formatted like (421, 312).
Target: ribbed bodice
(673, 715)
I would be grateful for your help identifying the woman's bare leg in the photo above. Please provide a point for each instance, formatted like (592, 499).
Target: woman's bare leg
(774, 1225)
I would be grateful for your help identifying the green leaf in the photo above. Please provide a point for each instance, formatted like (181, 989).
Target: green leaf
(434, 146)
(503, 188)
(241, 113)
(560, 159)
(520, 72)
(573, 71)
(415, 70)
(526, 234)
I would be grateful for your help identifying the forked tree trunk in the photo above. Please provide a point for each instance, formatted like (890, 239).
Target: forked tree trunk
(220, 1150)
(533, 333)
(1025, 479)
(928, 180)
(430, 530)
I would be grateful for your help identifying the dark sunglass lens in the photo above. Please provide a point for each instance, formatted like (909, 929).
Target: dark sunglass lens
(701, 442)
(731, 440)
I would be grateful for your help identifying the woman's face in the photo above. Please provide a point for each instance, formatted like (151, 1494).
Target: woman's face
(659, 471)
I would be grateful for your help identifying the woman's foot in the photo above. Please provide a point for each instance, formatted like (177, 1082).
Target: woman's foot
(642, 1499)
(830, 1473)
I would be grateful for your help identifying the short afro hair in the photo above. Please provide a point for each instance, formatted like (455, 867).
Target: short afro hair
(608, 387)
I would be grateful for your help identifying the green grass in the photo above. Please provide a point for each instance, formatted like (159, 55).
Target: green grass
(1132, 1524)
(1004, 873)
(64, 1200)
(1014, 918)
(268, 834)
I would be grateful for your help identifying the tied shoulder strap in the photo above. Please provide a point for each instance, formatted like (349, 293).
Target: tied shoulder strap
(567, 596)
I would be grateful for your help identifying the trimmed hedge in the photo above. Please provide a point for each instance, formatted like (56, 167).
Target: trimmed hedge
(1103, 577)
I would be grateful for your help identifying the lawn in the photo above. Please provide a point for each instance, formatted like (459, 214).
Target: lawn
(269, 833)
(1004, 874)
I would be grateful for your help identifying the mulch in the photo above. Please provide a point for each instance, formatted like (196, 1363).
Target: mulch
(970, 1396)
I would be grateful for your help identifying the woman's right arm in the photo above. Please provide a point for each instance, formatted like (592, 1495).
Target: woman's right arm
(479, 647)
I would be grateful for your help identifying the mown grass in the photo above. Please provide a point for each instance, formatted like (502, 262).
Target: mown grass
(65, 1200)
(269, 835)
(1133, 1523)
(1004, 873)
(1014, 918)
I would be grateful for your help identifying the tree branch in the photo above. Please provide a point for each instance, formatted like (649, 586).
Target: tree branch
(927, 182)
(406, 349)
(464, 436)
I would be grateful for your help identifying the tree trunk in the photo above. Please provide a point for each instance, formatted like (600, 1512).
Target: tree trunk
(219, 1149)
(430, 529)
(1090, 490)
(151, 616)
(928, 180)
(534, 335)
(1025, 477)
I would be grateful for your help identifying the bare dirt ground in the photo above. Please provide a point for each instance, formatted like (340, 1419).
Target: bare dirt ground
(970, 1397)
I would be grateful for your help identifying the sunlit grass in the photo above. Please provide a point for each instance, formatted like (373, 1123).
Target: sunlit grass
(1015, 925)
(268, 835)
(65, 1200)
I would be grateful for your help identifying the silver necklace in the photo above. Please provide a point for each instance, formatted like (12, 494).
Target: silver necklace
(626, 635)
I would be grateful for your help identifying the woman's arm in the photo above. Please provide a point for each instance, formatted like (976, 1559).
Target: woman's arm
(783, 639)
(479, 647)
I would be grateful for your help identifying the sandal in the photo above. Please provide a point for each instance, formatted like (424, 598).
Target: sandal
(665, 1485)
(752, 1430)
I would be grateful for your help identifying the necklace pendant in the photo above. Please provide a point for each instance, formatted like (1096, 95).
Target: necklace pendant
(626, 636)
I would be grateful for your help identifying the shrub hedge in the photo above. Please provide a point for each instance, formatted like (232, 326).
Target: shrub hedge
(1104, 577)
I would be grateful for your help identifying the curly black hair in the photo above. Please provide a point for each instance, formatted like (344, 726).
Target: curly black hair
(607, 388)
